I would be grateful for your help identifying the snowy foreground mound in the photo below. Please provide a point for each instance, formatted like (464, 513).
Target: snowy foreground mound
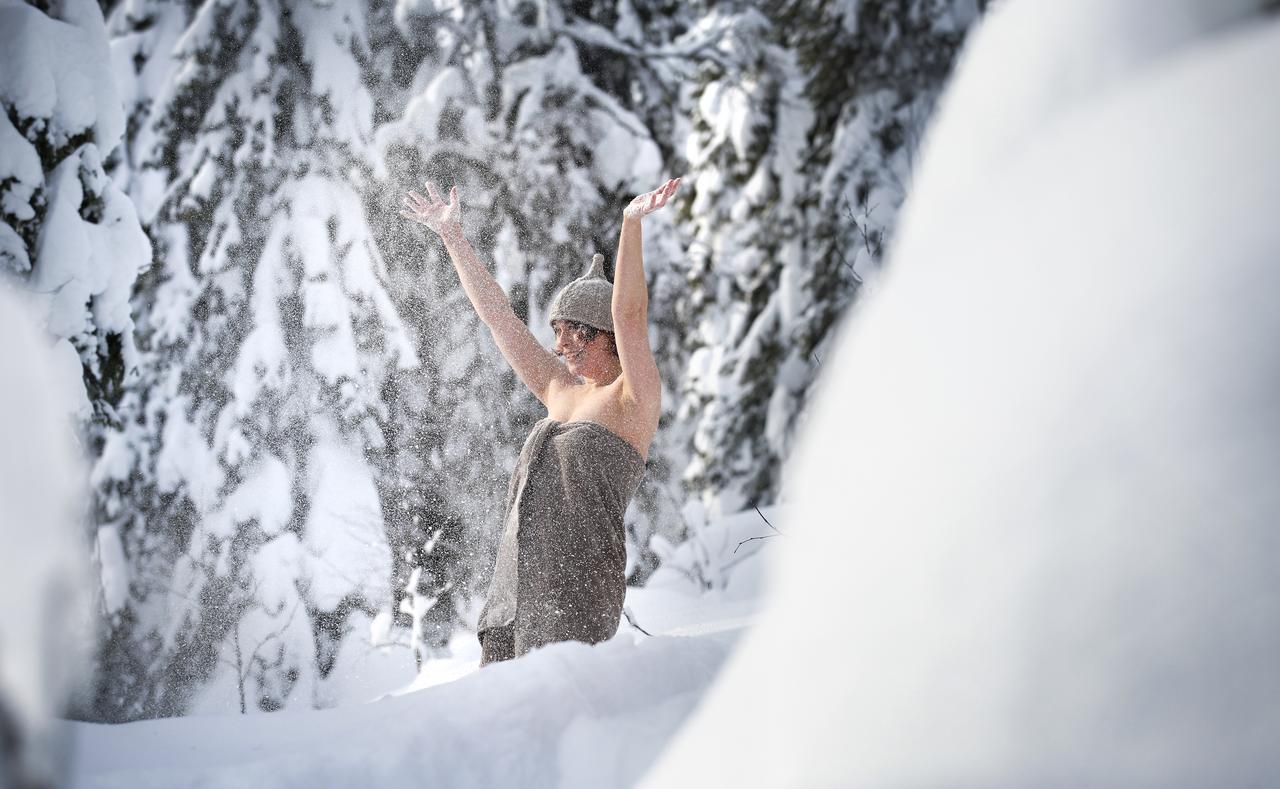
(568, 715)
(42, 619)
(1036, 515)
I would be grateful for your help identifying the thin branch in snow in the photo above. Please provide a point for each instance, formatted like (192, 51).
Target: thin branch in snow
(776, 533)
(631, 620)
(763, 518)
(761, 537)
(844, 260)
(863, 225)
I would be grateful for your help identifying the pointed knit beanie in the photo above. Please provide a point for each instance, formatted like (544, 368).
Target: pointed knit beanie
(588, 299)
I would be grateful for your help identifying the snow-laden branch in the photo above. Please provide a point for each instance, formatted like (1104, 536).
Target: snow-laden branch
(704, 46)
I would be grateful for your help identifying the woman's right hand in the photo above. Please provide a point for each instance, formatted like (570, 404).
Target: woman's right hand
(443, 218)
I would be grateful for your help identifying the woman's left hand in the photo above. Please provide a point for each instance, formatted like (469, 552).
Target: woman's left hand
(444, 218)
(649, 202)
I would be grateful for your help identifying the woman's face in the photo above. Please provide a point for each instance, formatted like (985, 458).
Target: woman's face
(577, 344)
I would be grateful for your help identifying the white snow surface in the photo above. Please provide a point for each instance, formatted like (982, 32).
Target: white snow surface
(568, 715)
(58, 70)
(44, 618)
(1035, 513)
(81, 261)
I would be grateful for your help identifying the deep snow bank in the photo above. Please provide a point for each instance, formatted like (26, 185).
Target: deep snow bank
(565, 716)
(45, 620)
(1038, 493)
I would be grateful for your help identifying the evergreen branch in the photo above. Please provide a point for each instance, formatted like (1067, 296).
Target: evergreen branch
(592, 34)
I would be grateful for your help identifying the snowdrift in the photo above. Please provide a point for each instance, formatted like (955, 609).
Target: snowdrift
(568, 715)
(46, 617)
(1035, 517)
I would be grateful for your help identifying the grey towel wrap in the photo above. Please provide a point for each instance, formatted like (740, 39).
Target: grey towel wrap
(561, 568)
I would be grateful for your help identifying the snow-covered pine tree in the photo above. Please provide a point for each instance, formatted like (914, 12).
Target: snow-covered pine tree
(874, 69)
(69, 237)
(543, 158)
(750, 134)
(801, 157)
(254, 531)
(67, 234)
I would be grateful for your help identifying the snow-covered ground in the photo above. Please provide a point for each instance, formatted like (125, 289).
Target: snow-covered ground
(567, 715)
(43, 566)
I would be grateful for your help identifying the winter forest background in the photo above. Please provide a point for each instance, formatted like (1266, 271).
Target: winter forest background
(299, 433)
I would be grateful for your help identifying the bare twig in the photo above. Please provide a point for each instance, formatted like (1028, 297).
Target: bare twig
(761, 537)
(766, 520)
(631, 620)
(776, 533)
(862, 228)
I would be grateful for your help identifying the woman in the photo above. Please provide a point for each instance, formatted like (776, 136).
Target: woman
(560, 573)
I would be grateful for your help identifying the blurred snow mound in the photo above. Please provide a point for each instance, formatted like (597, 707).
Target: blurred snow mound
(1038, 496)
(44, 621)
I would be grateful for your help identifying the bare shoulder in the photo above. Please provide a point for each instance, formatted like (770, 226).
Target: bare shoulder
(614, 406)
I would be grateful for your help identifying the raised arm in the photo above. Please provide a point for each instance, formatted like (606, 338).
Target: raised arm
(631, 299)
(537, 367)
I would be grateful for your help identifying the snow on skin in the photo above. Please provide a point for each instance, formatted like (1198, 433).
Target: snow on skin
(1049, 556)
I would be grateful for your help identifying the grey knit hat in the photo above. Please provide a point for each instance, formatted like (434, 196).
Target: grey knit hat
(588, 299)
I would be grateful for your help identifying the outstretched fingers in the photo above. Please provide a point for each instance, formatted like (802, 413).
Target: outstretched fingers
(659, 197)
(417, 201)
(435, 196)
(664, 193)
